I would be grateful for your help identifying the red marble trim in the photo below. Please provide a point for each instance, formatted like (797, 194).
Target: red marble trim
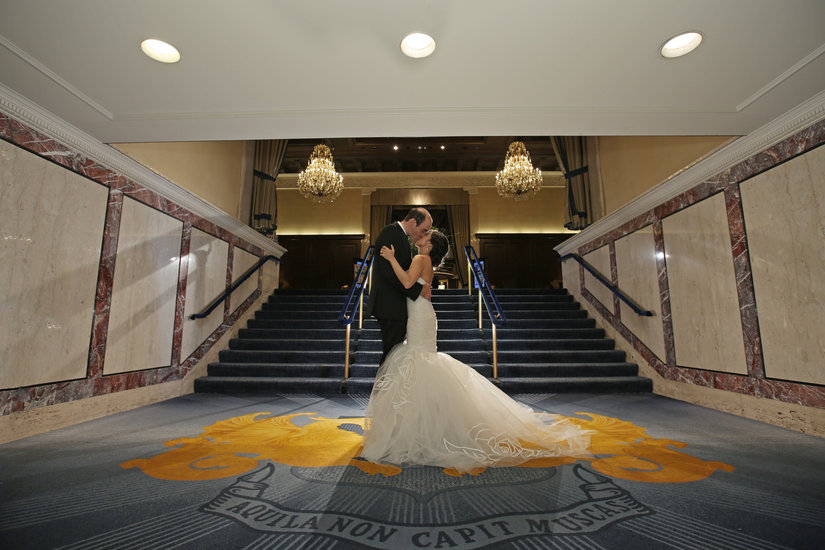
(744, 283)
(105, 282)
(180, 303)
(614, 277)
(20, 399)
(664, 293)
(227, 304)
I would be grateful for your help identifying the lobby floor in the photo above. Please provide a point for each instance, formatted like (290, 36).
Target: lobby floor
(281, 471)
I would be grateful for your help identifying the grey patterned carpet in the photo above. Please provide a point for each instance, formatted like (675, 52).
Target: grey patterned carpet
(278, 472)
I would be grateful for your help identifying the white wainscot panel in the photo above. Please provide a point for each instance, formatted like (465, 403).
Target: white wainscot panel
(785, 222)
(707, 326)
(599, 259)
(639, 280)
(142, 317)
(242, 261)
(51, 225)
(206, 280)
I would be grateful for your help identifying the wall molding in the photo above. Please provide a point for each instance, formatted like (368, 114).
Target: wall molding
(779, 129)
(45, 122)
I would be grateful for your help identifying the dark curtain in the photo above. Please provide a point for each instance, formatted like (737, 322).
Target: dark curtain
(460, 223)
(269, 154)
(380, 215)
(571, 153)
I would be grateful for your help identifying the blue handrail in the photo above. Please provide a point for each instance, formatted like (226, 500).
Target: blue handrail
(357, 289)
(497, 317)
(220, 299)
(608, 284)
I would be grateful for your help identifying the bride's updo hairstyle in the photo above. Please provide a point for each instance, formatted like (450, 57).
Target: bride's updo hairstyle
(440, 248)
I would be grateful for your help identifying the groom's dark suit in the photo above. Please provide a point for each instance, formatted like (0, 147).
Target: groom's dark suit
(387, 295)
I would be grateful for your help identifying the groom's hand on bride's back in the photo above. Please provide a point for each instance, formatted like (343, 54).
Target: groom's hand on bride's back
(426, 292)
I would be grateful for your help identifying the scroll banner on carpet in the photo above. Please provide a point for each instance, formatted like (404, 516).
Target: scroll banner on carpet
(604, 505)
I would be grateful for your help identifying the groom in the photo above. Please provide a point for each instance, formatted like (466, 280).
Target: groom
(386, 302)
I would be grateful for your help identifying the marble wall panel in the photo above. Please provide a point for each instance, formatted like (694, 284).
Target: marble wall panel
(599, 259)
(638, 278)
(51, 223)
(144, 291)
(707, 326)
(269, 275)
(242, 261)
(784, 210)
(570, 274)
(208, 258)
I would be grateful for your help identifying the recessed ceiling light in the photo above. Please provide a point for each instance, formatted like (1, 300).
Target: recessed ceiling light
(160, 51)
(681, 45)
(418, 45)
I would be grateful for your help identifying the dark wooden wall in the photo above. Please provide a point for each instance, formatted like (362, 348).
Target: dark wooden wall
(319, 261)
(516, 260)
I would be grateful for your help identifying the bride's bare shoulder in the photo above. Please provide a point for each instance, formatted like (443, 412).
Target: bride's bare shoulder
(423, 258)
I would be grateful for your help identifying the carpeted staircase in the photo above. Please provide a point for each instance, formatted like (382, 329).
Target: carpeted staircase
(548, 345)
(295, 344)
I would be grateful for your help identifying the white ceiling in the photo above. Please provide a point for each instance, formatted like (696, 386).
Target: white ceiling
(258, 69)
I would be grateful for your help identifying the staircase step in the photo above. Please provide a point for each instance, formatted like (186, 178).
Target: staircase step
(281, 356)
(571, 370)
(291, 344)
(545, 333)
(602, 384)
(337, 333)
(560, 356)
(276, 370)
(535, 344)
(245, 384)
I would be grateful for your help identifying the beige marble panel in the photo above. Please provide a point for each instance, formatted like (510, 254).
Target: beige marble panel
(242, 261)
(599, 260)
(707, 327)
(142, 316)
(269, 277)
(51, 226)
(570, 274)
(785, 223)
(206, 280)
(639, 280)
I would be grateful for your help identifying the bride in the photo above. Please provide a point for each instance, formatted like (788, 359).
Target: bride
(429, 408)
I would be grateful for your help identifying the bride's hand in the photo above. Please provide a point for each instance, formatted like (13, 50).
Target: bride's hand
(388, 253)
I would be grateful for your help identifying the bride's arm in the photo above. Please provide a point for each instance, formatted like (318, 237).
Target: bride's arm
(407, 278)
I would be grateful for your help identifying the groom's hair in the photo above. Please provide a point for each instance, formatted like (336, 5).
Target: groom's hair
(440, 248)
(418, 214)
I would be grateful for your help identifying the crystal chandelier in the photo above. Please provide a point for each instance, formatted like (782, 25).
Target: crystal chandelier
(519, 180)
(320, 182)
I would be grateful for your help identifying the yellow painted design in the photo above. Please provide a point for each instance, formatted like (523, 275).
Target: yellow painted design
(232, 447)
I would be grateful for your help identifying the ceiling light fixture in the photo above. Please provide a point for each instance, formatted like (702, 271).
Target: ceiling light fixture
(320, 182)
(160, 51)
(417, 45)
(519, 180)
(681, 45)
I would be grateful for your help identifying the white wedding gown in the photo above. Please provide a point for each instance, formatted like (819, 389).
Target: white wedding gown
(429, 408)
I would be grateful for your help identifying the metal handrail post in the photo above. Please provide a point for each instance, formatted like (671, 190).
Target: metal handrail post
(346, 355)
(495, 353)
(470, 279)
(479, 306)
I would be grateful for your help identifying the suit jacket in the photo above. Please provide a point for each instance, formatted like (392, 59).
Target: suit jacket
(387, 293)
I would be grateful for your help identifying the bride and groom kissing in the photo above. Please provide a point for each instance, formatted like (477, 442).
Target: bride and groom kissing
(426, 407)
